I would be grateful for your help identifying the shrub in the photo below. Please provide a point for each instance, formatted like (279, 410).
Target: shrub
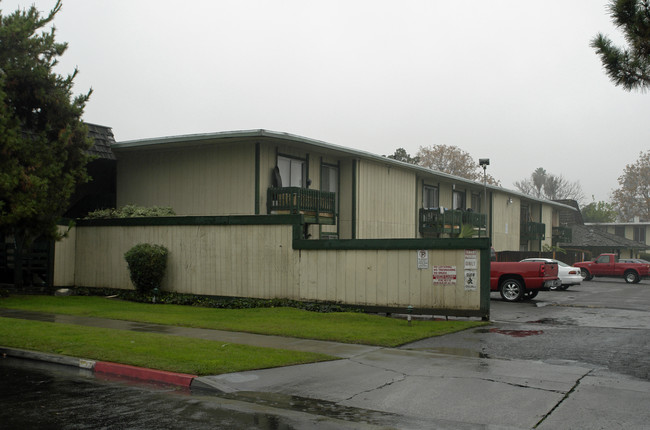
(147, 264)
(131, 211)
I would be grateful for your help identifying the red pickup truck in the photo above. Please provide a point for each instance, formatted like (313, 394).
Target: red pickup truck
(522, 280)
(607, 265)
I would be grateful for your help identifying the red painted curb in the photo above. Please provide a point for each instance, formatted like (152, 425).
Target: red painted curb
(144, 374)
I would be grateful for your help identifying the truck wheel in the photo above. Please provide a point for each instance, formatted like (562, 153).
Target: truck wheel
(511, 290)
(530, 294)
(586, 276)
(631, 277)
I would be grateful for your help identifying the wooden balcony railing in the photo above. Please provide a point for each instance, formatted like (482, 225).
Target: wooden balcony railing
(437, 221)
(562, 234)
(533, 230)
(319, 206)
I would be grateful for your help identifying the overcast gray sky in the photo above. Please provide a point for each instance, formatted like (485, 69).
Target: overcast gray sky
(510, 80)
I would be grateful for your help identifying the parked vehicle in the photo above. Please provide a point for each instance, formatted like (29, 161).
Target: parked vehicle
(606, 265)
(522, 280)
(569, 275)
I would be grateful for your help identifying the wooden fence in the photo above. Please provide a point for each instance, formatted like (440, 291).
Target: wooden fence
(264, 257)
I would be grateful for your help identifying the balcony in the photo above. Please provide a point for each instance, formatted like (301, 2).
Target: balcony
(562, 234)
(319, 207)
(438, 221)
(533, 230)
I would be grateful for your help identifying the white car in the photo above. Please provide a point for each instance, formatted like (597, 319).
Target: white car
(569, 275)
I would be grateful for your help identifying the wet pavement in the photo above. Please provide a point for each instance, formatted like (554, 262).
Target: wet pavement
(575, 359)
(50, 396)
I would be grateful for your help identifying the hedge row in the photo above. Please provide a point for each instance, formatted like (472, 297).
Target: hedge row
(170, 298)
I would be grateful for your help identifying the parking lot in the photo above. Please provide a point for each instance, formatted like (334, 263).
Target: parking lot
(604, 323)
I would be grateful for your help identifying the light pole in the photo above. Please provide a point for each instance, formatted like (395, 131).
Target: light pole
(484, 162)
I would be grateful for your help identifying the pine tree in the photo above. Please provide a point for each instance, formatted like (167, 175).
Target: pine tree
(43, 141)
(628, 68)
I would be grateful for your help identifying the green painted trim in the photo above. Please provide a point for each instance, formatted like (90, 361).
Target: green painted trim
(491, 207)
(393, 244)
(338, 198)
(354, 199)
(306, 171)
(195, 220)
(541, 219)
(257, 178)
(320, 187)
(417, 207)
(485, 282)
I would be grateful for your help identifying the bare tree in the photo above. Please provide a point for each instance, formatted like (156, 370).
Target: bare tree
(548, 186)
(401, 155)
(454, 161)
(632, 199)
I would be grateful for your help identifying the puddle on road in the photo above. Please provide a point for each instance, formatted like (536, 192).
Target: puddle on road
(553, 321)
(517, 333)
(513, 333)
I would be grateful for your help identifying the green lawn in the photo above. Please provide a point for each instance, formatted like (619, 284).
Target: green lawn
(348, 327)
(154, 351)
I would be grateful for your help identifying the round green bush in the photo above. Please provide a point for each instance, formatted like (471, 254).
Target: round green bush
(147, 264)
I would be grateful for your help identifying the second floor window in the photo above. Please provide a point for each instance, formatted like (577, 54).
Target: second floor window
(329, 178)
(476, 202)
(429, 197)
(639, 234)
(458, 200)
(292, 171)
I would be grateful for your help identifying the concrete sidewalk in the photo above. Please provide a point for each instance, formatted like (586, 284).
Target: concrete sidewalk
(445, 391)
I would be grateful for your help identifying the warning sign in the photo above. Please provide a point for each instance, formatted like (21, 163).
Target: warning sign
(470, 280)
(423, 259)
(471, 261)
(444, 275)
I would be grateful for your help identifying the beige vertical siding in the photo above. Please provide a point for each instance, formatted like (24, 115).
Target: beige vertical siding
(505, 233)
(445, 197)
(384, 278)
(64, 258)
(245, 261)
(259, 261)
(547, 219)
(200, 180)
(386, 201)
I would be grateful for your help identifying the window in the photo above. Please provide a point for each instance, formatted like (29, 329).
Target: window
(330, 182)
(458, 200)
(329, 178)
(429, 197)
(476, 202)
(639, 234)
(292, 171)
(619, 230)
(603, 259)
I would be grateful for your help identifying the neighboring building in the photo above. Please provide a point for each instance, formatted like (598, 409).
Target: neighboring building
(592, 239)
(637, 231)
(99, 192)
(343, 193)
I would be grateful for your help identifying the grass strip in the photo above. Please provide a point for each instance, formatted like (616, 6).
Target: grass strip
(348, 327)
(150, 350)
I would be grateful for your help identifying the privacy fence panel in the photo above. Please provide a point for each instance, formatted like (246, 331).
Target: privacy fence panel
(260, 257)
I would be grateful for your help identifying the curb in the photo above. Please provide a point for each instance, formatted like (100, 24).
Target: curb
(104, 367)
(144, 374)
